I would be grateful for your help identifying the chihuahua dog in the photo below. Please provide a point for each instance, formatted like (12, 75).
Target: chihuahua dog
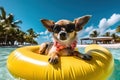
(64, 38)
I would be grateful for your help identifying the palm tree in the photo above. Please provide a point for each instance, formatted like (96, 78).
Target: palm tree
(94, 33)
(118, 29)
(1, 35)
(8, 23)
(31, 36)
(115, 37)
(2, 21)
(107, 34)
(10, 31)
(20, 37)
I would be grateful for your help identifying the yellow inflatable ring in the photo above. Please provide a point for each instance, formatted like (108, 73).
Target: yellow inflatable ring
(26, 64)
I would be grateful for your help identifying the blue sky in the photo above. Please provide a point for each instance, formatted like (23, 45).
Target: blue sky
(105, 14)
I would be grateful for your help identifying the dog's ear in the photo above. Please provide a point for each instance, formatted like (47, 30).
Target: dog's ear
(49, 24)
(80, 22)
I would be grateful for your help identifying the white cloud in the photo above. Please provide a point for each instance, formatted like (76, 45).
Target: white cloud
(113, 19)
(45, 36)
(106, 23)
(111, 30)
(44, 33)
(103, 26)
(103, 23)
(41, 33)
(85, 32)
(88, 29)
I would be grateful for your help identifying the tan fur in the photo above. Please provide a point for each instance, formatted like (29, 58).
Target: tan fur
(63, 22)
(72, 36)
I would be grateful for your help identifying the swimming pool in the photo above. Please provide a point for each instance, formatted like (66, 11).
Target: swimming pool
(5, 75)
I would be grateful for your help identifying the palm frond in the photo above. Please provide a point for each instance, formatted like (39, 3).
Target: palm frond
(17, 22)
(10, 18)
(3, 13)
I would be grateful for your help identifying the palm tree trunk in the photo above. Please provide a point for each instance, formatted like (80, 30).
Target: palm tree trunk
(6, 39)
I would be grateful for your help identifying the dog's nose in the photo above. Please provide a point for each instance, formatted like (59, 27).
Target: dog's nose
(63, 34)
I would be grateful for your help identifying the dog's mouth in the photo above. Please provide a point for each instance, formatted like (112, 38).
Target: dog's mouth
(63, 38)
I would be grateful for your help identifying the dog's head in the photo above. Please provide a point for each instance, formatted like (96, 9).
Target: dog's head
(65, 30)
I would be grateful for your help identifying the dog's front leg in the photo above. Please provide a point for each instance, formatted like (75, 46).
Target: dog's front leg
(83, 56)
(54, 58)
(43, 48)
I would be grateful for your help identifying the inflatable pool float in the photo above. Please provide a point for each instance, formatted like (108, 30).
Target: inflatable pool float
(26, 64)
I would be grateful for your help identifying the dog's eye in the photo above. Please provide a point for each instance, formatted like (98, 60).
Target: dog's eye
(70, 28)
(56, 29)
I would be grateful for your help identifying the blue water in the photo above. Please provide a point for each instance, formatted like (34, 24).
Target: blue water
(5, 75)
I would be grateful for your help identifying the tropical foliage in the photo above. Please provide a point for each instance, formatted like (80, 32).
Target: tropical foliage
(10, 31)
(115, 37)
(118, 29)
(107, 34)
(95, 33)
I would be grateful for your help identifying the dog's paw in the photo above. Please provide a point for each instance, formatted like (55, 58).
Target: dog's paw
(53, 60)
(86, 57)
